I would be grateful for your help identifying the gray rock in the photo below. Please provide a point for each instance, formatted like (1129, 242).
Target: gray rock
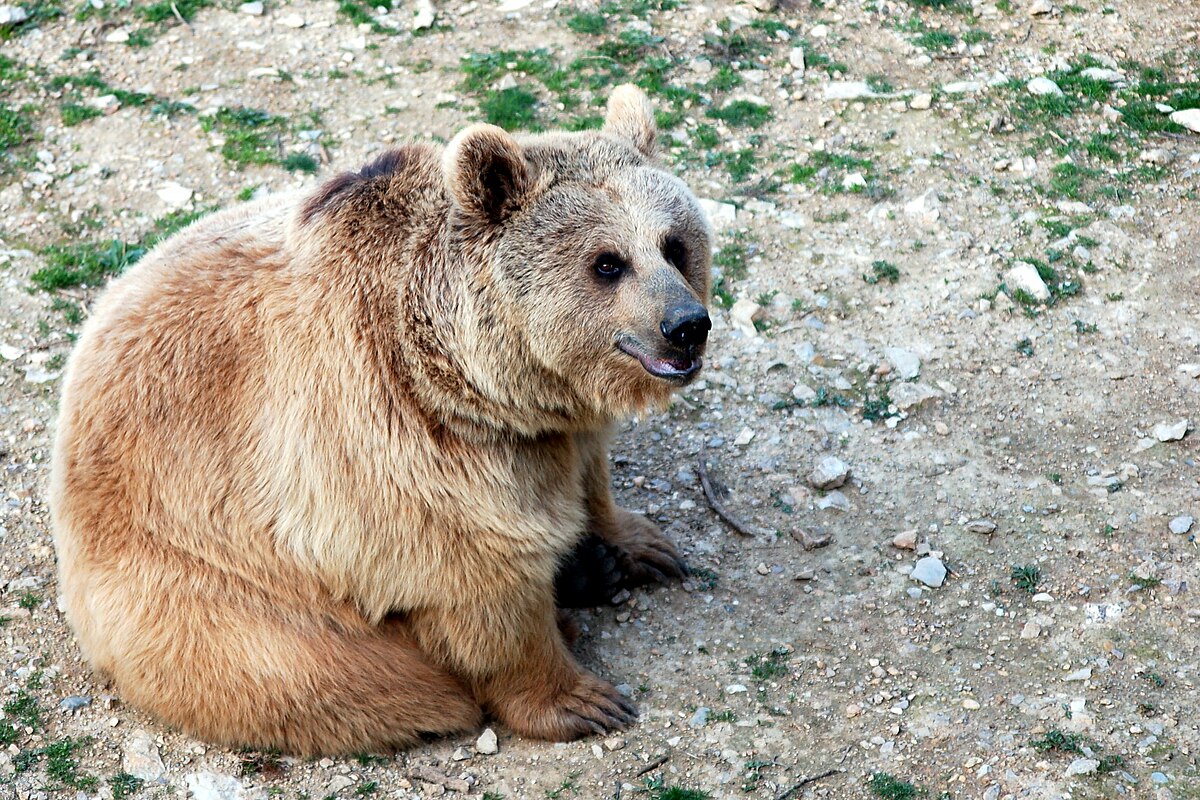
(12, 15)
(796, 59)
(906, 396)
(700, 718)
(1024, 276)
(835, 500)
(981, 526)
(487, 744)
(215, 786)
(1159, 778)
(829, 473)
(1102, 74)
(906, 363)
(254, 8)
(847, 90)
(74, 702)
(141, 759)
(1171, 431)
(1042, 86)
(1188, 118)
(930, 571)
(1082, 766)
(338, 784)
(1079, 675)
(921, 102)
(1182, 524)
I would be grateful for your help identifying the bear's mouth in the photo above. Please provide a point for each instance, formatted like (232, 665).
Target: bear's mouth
(676, 370)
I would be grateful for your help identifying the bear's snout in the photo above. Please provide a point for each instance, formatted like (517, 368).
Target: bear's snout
(686, 325)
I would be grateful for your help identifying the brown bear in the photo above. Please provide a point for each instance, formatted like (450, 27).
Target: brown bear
(319, 456)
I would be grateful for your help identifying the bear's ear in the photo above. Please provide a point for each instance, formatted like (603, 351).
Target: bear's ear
(630, 115)
(486, 172)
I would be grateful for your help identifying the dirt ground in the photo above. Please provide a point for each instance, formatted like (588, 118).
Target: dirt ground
(978, 293)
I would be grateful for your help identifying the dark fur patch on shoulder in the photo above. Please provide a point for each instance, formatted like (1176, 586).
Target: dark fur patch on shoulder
(336, 188)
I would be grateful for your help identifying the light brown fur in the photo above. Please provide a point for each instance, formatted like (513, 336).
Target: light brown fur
(319, 456)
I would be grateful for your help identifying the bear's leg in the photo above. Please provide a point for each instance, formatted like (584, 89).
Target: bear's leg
(644, 553)
(236, 669)
(590, 574)
(505, 642)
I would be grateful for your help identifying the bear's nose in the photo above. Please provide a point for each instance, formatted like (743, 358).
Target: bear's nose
(686, 326)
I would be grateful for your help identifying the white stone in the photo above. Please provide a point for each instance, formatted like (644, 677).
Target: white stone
(1101, 74)
(1079, 675)
(835, 500)
(735, 688)
(119, 36)
(1188, 118)
(1024, 276)
(929, 571)
(1040, 8)
(796, 59)
(1031, 630)
(743, 314)
(488, 743)
(1171, 431)
(906, 396)
(1082, 766)
(1043, 86)
(214, 786)
(829, 473)
(1182, 524)
(963, 87)
(141, 759)
(847, 90)
(720, 215)
(921, 102)
(854, 180)
(10, 353)
(1191, 370)
(12, 15)
(906, 363)
(925, 208)
(174, 194)
(425, 15)
(744, 437)
(292, 21)
(254, 8)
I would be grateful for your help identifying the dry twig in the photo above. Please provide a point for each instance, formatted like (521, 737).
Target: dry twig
(791, 790)
(745, 529)
(653, 765)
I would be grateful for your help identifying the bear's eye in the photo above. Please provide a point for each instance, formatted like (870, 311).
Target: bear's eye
(675, 252)
(609, 265)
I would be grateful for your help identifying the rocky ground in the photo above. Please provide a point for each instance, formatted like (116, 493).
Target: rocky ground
(957, 336)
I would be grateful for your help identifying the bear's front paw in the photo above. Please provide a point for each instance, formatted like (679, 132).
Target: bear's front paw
(645, 554)
(589, 706)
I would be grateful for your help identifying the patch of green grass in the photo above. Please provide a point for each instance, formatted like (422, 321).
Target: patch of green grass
(74, 113)
(935, 40)
(84, 263)
(367, 789)
(251, 136)
(259, 762)
(590, 23)
(743, 114)
(25, 710)
(300, 162)
(1025, 347)
(1059, 741)
(740, 164)
(61, 764)
(768, 666)
(976, 36)
(29, 601)
(889, 787)
(1145, 583)
(164, 10)
(732, 261)
(876, 408)
(882, 271)
(1158, 680)
(16, 127)
(880, 84)
(123, 785)
(514, 108)
(1026, 577)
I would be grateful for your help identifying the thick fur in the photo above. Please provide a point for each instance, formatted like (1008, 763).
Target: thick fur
(319, 457)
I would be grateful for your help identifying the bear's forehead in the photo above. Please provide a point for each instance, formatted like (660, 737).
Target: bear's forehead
(581, 157)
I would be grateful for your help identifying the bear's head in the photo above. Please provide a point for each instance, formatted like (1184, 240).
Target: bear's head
(601, 256)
